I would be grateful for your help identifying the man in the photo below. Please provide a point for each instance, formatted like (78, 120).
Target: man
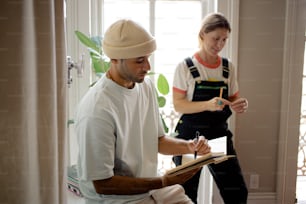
(120, 132)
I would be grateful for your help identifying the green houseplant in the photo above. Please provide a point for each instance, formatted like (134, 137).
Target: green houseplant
(100, 65)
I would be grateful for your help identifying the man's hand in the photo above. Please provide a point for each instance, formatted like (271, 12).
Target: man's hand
(199, 145)
(169, 180)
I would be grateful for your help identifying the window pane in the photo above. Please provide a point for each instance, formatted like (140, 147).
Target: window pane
(176, 29)
(137, 10)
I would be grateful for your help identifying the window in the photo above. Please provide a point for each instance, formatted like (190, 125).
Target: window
(174, 23)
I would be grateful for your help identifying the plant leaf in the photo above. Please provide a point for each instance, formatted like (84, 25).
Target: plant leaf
(97, 40)
(165, 125)
(162, 84)
(161, 101)
(94, 52)
(86, 40)
(93, 83)
(98, 63)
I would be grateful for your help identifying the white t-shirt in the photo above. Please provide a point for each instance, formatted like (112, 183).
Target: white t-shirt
(184, 82)
(114, 122)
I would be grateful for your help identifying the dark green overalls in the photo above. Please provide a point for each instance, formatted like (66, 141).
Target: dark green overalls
(213, 124)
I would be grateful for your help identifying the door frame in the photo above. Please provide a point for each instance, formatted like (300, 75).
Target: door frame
(291, 100)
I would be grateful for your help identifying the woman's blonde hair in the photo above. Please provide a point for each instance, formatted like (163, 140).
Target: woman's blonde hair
(211, 22)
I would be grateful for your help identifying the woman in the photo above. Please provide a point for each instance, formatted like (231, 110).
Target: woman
(205, 90)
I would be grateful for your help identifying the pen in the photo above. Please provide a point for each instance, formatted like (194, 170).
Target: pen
(196, 141)
(220, 96)
(221, 92)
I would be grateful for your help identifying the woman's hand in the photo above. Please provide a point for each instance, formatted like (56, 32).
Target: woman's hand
(240, 105)
(217, 104)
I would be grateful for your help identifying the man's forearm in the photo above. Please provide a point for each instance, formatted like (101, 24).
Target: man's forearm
(123, 185)
(173, 146)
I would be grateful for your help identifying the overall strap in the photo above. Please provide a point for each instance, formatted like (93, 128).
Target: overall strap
(225, 67)
(195, 73)
(193, 69)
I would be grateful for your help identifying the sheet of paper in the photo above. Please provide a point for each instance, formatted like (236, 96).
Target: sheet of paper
(218, 144)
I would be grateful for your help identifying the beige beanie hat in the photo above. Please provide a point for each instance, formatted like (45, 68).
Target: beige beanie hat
(126, 39)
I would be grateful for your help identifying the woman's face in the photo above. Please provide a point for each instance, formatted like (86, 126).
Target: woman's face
(214, 41)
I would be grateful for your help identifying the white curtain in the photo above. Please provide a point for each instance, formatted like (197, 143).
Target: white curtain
(32, 102)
